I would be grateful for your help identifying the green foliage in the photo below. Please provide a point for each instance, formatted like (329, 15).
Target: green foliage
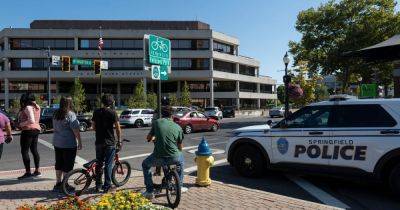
(152, 101)
(14, 106)
(39, 101)
(281, 93)
(138, 99)
(78, 96)
(321, 92)
(173, 100)
(57, 100)
(337, 27)
(185, 95)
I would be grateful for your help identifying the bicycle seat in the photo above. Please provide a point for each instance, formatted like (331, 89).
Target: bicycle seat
(89, 164)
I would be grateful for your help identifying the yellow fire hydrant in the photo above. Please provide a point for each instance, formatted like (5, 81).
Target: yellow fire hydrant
(204, 161)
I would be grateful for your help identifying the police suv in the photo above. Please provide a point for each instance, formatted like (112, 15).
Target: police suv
(342, 135)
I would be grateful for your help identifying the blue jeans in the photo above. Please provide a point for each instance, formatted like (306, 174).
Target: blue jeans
(152, 161)
(104, 155)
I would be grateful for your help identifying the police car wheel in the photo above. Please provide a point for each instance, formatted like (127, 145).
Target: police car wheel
(249, 161)
(394, 179)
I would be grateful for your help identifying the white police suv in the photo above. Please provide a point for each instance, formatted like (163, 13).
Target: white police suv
(342, 135)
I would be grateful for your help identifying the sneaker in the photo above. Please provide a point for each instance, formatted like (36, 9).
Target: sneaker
(97, 189)
(106, 189)
(25, 176)
(184, 189)
(57, 187)
(148, 195)
(37, 174)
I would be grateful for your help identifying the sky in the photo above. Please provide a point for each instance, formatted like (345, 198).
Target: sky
(263, 27)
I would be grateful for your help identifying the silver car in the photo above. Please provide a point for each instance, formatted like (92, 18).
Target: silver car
(277, 112)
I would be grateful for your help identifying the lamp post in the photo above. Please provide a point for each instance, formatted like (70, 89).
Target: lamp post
(286, 80)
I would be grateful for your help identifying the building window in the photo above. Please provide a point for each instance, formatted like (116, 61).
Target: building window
(247, 70)
(33, 87)
(248, 87)
(112, 44)
(248, 104)
(169, 87)
(223, 48)
(197, 86)
(224, 86)
(266, 88)
(42, 44)
(40, 64)
(221, 102)
(190, 44)
(26, 63)
(190, 64)
(84, 43)
(224, 66)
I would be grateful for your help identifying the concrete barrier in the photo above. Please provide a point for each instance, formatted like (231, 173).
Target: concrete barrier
(251, 113)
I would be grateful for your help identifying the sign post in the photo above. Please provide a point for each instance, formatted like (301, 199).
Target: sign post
(157, 53)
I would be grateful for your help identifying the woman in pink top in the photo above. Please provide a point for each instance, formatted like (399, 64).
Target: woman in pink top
(28, 118)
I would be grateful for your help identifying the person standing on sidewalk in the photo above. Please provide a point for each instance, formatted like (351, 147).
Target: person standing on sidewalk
(4, 124)
(66, 139)
(28, 118)
(104, 121)
(167, 137)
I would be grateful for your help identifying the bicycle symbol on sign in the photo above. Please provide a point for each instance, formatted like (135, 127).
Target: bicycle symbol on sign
(159, 44)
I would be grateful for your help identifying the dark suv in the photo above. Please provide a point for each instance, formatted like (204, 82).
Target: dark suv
(46, 120)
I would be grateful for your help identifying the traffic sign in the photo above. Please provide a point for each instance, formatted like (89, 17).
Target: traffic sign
(55, 60)
(164, 72)
(159, 50)
(82, 62)
(155, 72)
(104, 64)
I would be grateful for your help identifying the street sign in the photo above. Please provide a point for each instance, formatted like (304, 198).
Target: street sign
(159, 50)
(55, 60)
(155, 72)
(82, 62)
(104, 64)
(164, 72)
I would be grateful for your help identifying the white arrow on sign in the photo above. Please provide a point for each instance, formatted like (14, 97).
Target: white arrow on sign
(163, 73)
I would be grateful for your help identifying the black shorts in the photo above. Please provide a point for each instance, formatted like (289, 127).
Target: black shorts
(65, 159)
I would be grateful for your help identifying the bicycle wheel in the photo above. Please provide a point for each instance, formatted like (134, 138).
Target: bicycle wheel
(121, 173)
(173, 189)
(76, 182)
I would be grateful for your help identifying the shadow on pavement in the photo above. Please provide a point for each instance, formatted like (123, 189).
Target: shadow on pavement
(4, 182)
(26, 194)
(272, 182)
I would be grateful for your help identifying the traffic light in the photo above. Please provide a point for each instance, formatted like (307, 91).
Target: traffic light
(66, 63)
(96, 66)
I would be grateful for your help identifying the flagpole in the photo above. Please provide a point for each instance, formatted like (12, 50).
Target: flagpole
(101, 72)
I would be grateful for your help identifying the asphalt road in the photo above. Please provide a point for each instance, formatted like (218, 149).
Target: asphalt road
(335, 191)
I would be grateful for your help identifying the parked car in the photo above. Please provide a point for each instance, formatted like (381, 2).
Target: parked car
(46, 120)
(180, 110)
(136, 117)
(213, 112)
(196, 121)
(13, 119)
(228, 111)
(278, 111)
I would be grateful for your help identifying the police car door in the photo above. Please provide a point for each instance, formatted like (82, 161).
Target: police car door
(361, 134)
(295, 140)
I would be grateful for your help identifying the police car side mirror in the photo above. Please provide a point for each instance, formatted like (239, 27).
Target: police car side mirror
(269, 122)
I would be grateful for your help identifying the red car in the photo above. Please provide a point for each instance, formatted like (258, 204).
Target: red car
(196, 121)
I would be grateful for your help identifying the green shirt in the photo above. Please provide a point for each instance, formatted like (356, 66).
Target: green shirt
(168, 134)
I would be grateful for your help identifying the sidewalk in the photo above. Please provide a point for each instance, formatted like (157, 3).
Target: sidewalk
(14, 193)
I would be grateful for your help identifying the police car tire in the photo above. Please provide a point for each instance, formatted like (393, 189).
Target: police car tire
(258, 163)
(394, 179)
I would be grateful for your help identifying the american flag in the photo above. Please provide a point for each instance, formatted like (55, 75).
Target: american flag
(100, 44)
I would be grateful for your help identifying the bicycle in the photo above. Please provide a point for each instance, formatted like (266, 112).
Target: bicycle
(159, 44)
(172, 184)
(77, 181)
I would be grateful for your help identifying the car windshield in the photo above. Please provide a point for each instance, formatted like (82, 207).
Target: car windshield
(126, 112)
(209, 109)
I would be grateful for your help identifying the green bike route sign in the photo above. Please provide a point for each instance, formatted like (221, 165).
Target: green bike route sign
(159, 72)
(159, 50)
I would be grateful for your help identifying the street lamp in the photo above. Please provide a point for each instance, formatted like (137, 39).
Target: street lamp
(286, 80)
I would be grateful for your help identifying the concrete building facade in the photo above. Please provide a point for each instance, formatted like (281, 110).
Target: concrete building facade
(207, 60)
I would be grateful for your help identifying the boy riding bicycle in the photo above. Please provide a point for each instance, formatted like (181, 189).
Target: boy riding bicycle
(167, 137)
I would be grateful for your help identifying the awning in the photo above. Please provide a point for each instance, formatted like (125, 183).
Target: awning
(388, 50)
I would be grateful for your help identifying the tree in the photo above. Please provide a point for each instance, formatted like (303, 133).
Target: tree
(337, 27)
(185, 95)
(308, 85)
(152, 100)
(39, 101)
(138, 99)
(281, 93)
(321, 92)
(56, 100)
(78, 96)
(173, 100)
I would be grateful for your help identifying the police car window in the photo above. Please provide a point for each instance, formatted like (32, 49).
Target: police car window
(363, 115)
(310, 117)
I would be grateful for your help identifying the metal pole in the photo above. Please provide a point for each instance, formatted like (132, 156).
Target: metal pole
(286, 80)
(159, 99)
(48, 77)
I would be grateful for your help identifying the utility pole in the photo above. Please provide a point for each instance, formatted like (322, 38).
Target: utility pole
(286, 80)
(48, 77)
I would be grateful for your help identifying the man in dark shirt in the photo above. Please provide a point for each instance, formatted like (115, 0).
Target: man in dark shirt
(167, 137)
(104, 120)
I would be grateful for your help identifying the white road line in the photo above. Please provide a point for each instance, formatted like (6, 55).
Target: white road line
(317, 193)
(78, 159)
(147, 154)
(194, 168)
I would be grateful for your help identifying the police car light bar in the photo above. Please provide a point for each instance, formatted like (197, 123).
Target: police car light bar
(341, 97)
